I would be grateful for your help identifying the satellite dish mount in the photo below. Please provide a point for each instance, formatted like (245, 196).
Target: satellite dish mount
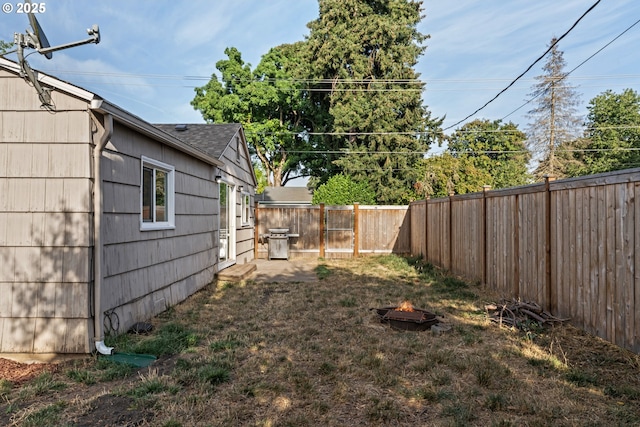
(35, 38)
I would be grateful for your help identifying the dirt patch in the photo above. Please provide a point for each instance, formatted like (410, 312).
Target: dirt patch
(109, 410)
(18, 373)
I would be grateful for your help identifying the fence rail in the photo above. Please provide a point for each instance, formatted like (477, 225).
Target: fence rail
(336, 231)
(570, 245)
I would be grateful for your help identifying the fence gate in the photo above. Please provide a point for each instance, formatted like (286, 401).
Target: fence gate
(339, 229)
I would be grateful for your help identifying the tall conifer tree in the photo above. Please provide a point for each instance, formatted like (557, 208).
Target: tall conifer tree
(555, 122)
(361, 55)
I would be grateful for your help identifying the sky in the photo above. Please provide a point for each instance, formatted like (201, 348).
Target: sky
(153, 53)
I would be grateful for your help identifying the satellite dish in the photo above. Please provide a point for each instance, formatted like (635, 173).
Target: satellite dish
(38, 36)
(36, 39)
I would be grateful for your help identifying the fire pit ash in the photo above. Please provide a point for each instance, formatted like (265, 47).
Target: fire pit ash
(406, 317)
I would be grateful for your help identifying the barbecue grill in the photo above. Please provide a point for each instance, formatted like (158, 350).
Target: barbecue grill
(279, 242)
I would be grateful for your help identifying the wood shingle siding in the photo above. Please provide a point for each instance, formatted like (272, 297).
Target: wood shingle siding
(50, 241)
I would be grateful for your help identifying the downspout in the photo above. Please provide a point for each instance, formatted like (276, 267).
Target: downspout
(98, 328)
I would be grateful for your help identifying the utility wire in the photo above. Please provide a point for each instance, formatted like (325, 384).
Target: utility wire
(579, 65)
(416, 133)
(528, 68)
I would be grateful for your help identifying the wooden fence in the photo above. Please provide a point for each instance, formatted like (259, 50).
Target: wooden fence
(335, 231)
(570, 245)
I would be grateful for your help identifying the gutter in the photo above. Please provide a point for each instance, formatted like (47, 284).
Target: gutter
(98, 207)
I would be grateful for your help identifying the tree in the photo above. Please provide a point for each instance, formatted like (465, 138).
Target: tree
(361, 55)
(447, 174)
(5, 47)
(268, 105)
(342, 190)
(494, 147)
(612, 138)
(554, 118)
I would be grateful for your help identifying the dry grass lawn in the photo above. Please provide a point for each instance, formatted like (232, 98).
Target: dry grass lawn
(311, 354)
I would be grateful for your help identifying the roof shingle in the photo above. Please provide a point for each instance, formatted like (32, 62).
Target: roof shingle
(210, 138)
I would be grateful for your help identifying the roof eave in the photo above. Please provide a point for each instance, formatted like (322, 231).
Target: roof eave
(100, 105)
(135, 122)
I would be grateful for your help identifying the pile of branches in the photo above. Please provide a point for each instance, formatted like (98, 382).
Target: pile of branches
(520, 314)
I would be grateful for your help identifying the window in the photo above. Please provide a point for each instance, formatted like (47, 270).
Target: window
(157, 195)
(246, 209)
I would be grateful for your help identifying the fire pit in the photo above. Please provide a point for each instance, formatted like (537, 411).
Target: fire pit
(407, 318)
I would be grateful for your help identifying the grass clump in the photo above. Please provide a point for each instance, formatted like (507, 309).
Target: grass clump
(322, 271)
(43, 384)
(5, 387)
(171, 338)
(45, 417)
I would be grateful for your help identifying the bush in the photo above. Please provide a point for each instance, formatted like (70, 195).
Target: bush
(342, 190)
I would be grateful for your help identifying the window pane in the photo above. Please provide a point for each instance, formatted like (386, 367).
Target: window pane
(147, 194)
(161, 196)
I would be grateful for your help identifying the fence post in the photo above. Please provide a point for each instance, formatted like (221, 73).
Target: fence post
(356, 229)
(450, 267)
(485, 189)
(426, 229)
(550, 291)
(256, 232)
(321, 230)
(516, 248)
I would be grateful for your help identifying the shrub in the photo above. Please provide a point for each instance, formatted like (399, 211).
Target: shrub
(343, 190)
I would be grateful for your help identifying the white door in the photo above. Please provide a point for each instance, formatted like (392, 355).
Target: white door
(227, 226)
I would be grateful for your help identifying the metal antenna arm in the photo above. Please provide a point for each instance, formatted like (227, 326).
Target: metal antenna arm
(43, 94)
(94, 32)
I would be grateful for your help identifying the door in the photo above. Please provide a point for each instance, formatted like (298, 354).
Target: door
(227, 226)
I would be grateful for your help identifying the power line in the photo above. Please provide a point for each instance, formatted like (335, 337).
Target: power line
(418, 133)
(579, 65)
(466, 152)
(528, 68)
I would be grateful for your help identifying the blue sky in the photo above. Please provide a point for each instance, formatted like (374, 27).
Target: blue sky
(153, 53)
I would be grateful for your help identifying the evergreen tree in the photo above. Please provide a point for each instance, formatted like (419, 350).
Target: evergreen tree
(554, 118)
(361, 55)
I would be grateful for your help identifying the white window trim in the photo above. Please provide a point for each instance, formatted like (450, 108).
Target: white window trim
(170, 200)
(243, 208)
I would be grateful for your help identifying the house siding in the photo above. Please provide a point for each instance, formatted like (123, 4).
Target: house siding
(237, 170)
(148, 271)
(45, 222)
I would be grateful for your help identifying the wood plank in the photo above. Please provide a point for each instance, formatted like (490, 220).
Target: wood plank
(593, 260)
(635, 346)
(602, 263)
(628, 256)
(610, 264)
(237, 272)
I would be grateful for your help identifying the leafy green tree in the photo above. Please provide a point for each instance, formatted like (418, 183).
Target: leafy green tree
(342, 190)
(261, 176)
(447, 174)
(497, 148)
(612, 138)
(366, 93)
(5, 47)
(268, 105)
(554, 118)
